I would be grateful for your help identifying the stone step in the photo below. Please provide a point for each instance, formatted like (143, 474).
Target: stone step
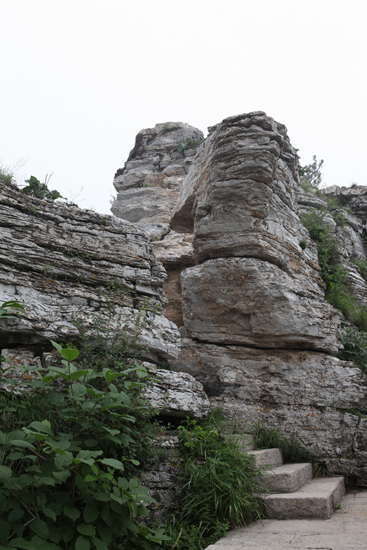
(267, 458)
(316, 499)
(287, 478)
(246, 442)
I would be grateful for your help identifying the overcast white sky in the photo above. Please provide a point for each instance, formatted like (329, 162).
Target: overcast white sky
(79, 78)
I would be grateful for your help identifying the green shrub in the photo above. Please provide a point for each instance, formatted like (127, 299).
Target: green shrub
(355, 347)
(362, 267)
(40, 190)
(185, 536)
(220, 486)
(332, 272)
(310, 175)
(68, 475)
(292, 449)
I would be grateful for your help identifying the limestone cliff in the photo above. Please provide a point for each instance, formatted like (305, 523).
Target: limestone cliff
(258, 331)
(67, 266)
(148, 188)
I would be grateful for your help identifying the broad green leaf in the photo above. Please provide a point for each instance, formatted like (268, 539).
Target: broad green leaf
(98, 543)
(113, 463)
(63, 460)
(87, 530)
(5, 472)
(22, 443)
(78, 390)
(43, 427)
(91, 512)
(69, 353)
(82, 543)
(39, 527)
(57, 346)
(71, 512)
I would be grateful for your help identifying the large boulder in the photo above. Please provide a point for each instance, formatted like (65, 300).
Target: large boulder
(253, 302)
(240, 199)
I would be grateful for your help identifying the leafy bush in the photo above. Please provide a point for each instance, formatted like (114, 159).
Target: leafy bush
(292, 449)
(36, 188)
(220, 487)
(68, 477)
(332, 272)
(310, 175)
(355, 347)
(362, 267)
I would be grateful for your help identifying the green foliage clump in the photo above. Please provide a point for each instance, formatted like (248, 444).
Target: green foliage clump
(220, 487)
(190, 143)
(355, 347)
(40, 190)
(70, 456)
(6, 177)
(310, 175)
(10, 309)
(362, 267)
(332, 272)
(292, 449)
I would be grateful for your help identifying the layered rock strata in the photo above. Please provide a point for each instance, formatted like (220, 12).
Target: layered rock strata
(68, 265)
(260, 335)
(148, 188)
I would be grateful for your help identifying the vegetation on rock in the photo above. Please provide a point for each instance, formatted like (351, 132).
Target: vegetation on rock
(40, 190)
(271, 438)
(332, 271)
(310, 175)
(220, 486)
(75, 435)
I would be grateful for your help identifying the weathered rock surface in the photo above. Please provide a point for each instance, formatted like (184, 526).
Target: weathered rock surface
(65, 263)
(176, 394)
(253, 302)
(148, 184)
(240, 197)
(308, 394)
(148, 188)
(261, 336)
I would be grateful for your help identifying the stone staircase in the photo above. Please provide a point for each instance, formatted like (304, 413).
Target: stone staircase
(293, 493)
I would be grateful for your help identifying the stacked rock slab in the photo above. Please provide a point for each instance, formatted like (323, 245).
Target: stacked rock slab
(259, 333)
(148, 188)
(70, 266)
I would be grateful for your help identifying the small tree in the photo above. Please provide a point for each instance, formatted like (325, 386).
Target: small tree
(36, 188)
(310, 174)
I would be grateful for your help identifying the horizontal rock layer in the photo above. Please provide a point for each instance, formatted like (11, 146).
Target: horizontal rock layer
(65, 264)
(310, 395)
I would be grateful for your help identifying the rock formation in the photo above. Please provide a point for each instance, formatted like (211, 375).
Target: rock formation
(67, 266)
(260, 335)
(345, 212)
(148, 188)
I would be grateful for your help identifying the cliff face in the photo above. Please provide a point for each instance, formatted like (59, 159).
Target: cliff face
(148, 188)
(67, 266)
(258, 332)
